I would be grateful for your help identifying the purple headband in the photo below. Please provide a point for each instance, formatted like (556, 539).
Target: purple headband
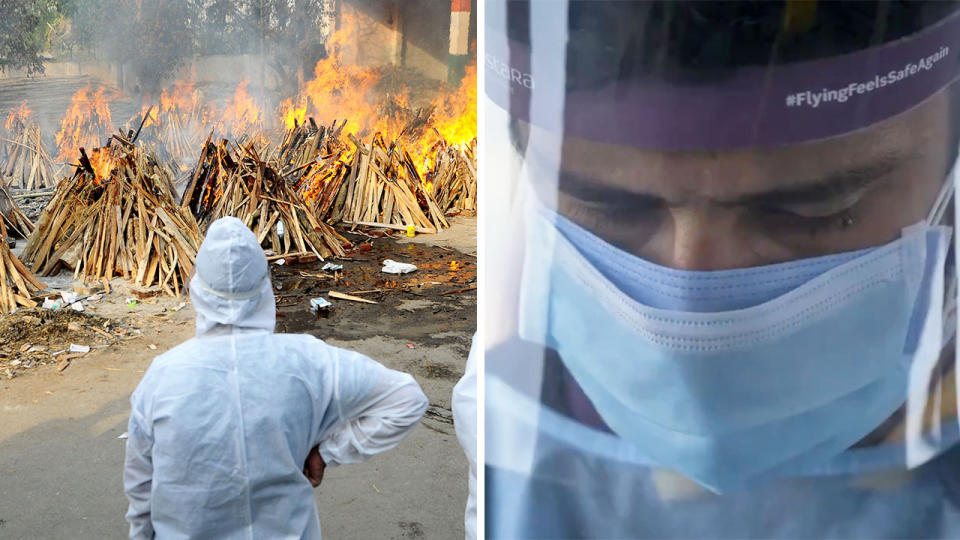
(756, 106)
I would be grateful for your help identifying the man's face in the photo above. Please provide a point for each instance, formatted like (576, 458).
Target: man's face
(713, 211)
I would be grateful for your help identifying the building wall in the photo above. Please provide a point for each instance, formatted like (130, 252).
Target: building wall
(411, 33)
(375, 38)
(426, 32)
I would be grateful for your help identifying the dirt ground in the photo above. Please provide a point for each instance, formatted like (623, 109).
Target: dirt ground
(61, 413)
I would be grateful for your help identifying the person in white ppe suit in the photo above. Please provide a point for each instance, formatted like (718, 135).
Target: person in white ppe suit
(221, 426)
(725, 303)
(465, 421)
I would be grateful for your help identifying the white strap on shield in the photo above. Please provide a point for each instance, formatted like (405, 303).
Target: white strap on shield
(924, 433)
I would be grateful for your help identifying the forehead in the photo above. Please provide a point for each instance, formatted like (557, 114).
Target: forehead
(917, 135)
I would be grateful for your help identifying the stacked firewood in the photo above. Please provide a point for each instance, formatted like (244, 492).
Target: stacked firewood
(387, 190)
(175, 136)
(180, 135)
(230, 180)
(17, 283)
(117, 216)
(377, 183)
(315, 160)
(305, 145)
(453, 178)
(10, 215)
(26, 163)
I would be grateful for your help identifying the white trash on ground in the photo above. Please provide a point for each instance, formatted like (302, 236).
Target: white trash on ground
(393, 267)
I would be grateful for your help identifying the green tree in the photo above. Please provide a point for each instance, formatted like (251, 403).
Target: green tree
(288, 32)
(25, 27)
(153, 37)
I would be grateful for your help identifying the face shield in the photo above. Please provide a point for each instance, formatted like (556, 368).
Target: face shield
(722, 237)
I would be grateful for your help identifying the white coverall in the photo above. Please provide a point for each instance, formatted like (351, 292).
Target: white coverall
(221, 425)
(465, 422)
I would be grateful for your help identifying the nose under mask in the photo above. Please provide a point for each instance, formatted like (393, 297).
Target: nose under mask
(733, 375)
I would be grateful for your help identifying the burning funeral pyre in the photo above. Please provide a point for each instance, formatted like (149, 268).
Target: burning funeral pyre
(234, 181)
(337, 154)
(117, 216)
(23, 154)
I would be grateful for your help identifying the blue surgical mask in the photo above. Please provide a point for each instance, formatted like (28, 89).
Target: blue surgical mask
(730, 376)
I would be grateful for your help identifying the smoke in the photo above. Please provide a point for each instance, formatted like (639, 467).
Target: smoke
(233, 68)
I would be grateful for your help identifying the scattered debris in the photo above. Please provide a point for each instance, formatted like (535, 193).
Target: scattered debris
(350, 297)
(393, 267)
(35, 337)
(458, 291)
(83, 349)
(317, 304)
(330, 267)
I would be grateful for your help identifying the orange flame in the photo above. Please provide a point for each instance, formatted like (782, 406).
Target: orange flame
(242, 111)
(455, 116)
(101, 159)
(18, 116)
(183, 98)
(340, 90)
(85, 124)
(150, 120)
(293, 112)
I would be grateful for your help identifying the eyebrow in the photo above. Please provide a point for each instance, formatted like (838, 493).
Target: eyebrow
(834, 185)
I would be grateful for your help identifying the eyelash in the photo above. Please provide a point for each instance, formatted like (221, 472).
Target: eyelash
(840, 221)
(595, 217)
(599, 216)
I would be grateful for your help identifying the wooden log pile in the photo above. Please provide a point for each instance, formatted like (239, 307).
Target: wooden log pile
(305, 145)
(179, 135)
(377, 183)
(26, 164)
(117, 216)
(175, 136)
(17, 283)
(316, 160)
(12, 218)
(385, 189)
(234, 181)
(453, 178)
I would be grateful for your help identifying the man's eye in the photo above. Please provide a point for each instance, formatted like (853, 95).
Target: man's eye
(787, 221)
(611, 216)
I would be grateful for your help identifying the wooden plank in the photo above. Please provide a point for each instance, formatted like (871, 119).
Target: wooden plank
(424, 230)
(350, 297)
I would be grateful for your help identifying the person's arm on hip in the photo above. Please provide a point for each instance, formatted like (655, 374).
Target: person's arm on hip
(377, 408)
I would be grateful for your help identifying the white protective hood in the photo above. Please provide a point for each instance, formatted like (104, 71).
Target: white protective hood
(231, 284)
